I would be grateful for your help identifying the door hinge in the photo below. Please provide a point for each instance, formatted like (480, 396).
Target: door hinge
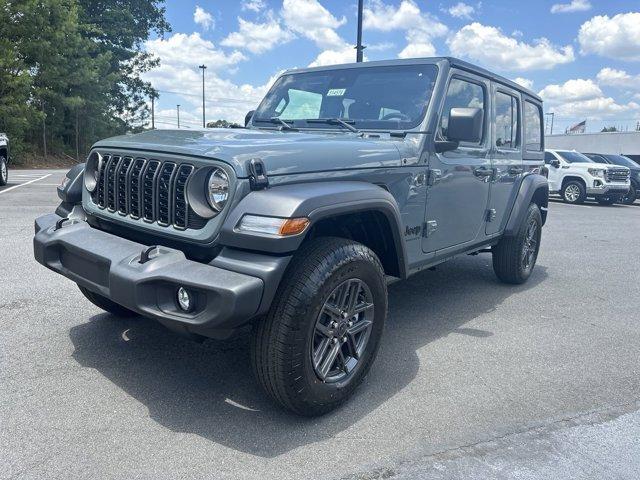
(257, 175)
(433, 175)
(491, 215)
(430, 226)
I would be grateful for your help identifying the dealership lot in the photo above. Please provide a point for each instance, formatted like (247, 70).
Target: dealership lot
(475, 379)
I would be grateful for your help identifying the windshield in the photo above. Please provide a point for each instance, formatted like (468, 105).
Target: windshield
(384, 98)
(622, 160)
(575, 157)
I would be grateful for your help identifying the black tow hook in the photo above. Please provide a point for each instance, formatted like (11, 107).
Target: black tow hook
(145, 256)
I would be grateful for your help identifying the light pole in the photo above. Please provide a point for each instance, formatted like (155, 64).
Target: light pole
(359, 47)
(153, 111)
(178, 116)
(203, 67)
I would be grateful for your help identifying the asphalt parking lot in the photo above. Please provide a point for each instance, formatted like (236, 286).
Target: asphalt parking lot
(475, 379)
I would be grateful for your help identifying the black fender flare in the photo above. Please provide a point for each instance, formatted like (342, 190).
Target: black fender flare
(316, 201)
(532, 187)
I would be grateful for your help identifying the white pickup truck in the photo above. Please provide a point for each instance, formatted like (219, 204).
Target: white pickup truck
(575, 177)
(4, 159)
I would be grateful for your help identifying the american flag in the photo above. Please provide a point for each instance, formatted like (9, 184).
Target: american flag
(578, 127)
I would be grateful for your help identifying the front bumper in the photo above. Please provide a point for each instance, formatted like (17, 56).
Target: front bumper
(610, 189)
(110, 266)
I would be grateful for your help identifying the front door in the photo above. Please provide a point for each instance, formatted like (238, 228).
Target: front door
(554, 164)
(459, 180)
(506, 157)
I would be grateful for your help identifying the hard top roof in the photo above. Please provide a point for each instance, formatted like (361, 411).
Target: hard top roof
(454, 62)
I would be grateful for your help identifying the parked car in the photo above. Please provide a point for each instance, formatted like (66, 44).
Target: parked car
(4, 159)
(575, 177)
(634, 168)
(346, 176)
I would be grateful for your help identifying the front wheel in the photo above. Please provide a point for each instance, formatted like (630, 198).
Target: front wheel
(574, 192)
(323, 331)
(514, 257)
(4, 172)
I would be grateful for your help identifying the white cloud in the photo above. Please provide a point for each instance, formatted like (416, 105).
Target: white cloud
(461, 10)
(257, 37)
(335, 57)
(618, 78)
(489, 45)
(253, 5)
(525, 82)
(203, 18)
(419, 27)
(571, 91)
(574, 6)
(311, 20)
(178, 74)
(616, 37)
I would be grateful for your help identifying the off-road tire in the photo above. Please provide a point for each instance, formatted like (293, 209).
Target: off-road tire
(581, 189)
(508, 255)
(282, 342)
(4, 177)
(630, 197)
(106, 304)
(607, 199)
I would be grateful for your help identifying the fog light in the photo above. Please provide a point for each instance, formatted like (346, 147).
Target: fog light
(184, 299)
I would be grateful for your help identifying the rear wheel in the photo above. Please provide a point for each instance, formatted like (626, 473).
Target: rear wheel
(106, 304)
(514, 257)
(4, 172)
(574, 192)
(323, 331)
(630, 197)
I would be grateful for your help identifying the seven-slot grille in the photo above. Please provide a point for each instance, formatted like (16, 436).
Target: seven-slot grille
(146, 189)
(617, 175)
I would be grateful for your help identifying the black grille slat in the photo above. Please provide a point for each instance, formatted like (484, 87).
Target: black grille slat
(165, 180)
(123, 187)
(147, 189)
(111, 183)
(134, 187)
(180, 206)
(617, 175)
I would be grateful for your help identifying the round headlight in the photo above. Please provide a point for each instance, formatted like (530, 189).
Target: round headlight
(92, 171)
(217, 189)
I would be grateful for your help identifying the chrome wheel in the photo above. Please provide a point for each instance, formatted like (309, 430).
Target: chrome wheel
(572, 193)
(342, 331)
(530, 247)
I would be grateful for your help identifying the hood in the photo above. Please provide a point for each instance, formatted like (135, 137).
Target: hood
(282, 152)
(604, 166)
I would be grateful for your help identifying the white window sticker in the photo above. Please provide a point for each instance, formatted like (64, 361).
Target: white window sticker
(336, 92)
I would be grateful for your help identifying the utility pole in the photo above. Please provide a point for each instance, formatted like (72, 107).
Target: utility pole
(359, 47)
(203, 67)
(178, 116)
(153, 111)
(552, 117)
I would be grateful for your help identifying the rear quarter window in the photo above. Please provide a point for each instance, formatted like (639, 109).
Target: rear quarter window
(532, 127)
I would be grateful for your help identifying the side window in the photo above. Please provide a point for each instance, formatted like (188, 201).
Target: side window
(532, 127)
(507, 113)
(461, 94)
(301, 105)
(549, 157)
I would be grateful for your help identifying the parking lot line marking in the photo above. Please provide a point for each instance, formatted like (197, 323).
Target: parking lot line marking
(23, 184)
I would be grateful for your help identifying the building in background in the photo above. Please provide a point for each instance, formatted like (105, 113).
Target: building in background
(624, 143)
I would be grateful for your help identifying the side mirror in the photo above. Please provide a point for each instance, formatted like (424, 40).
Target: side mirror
(465, 125)
(247, 117)
(555, 163)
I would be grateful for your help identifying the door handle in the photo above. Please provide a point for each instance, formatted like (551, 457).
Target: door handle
(515, 170)
(483, 172)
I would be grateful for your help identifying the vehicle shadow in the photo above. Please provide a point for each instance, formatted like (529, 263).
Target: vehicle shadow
(208, 389)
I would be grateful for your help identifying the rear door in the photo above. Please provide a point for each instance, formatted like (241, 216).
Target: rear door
(506, 157)
(459, 179)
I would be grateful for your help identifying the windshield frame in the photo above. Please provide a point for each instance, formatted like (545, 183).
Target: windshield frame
(315, 125)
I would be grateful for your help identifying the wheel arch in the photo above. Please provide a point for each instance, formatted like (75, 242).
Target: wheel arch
(534, 188)
(359, 211)
(574, 177)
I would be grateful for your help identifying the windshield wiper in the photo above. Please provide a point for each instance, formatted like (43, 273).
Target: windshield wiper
(277, 120)
(335, 121)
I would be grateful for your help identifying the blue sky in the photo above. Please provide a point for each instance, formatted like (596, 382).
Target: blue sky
(582, 56)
